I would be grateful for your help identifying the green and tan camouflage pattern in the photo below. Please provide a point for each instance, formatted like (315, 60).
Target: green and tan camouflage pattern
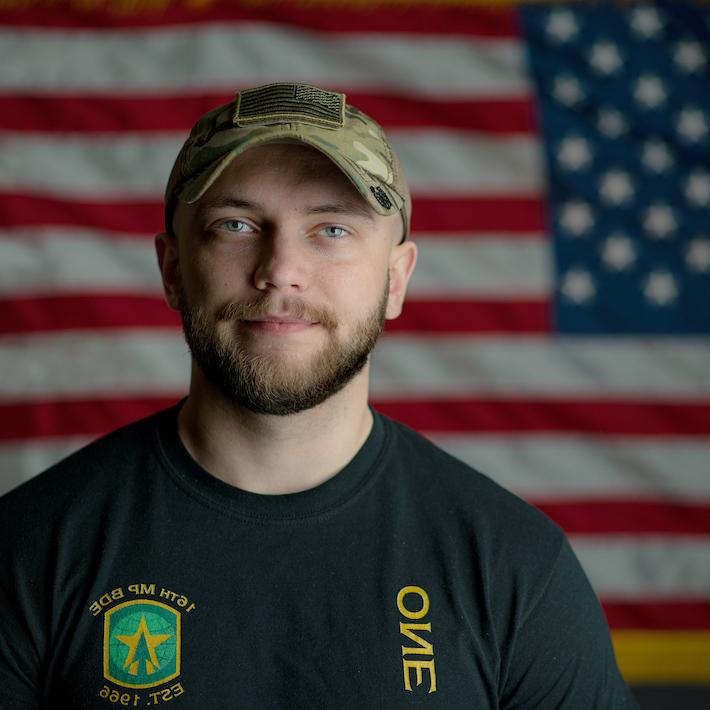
(358, 147)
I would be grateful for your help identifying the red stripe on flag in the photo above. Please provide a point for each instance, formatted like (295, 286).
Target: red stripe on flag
(49, 313)
(85, 311)
(77, 417)
(472, 316)
(501, 415)
(507, 214)
(90, 114)
(426, 18)
(617, 516)
(23, 210)
(460, 215)
(27, 420)
(668, 614)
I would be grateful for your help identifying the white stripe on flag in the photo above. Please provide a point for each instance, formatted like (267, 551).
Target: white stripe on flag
(54, 260)
(494, 266)
(223, 57)
(73, 365)
(548, 467)
(445, 163)
(36, 260)
(407, 367)
(138, 165)
(404, 367)
(652, 567)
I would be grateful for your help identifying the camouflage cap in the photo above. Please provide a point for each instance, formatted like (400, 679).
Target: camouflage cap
(291, 112)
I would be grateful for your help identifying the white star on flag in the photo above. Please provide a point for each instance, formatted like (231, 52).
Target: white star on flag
(689, 56)
(697, 255)
(691, 124)
(576, 217)
(650, 91)
(659, 221)
(611, 122)
(697, 189)
(646, 21)
(578, 286)
(656, 156)
(660, 288)
(616, 187)
(561, 25)
(568, 90)
(605, 58)
(573, 152)
(618, 252)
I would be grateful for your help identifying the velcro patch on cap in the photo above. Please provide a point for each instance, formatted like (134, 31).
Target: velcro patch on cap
(286, 103)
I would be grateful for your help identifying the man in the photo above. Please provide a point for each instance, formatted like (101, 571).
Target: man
(272, 542)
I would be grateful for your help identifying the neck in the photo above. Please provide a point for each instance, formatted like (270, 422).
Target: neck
(274, 454)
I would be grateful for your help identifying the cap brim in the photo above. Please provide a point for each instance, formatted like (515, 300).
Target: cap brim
(194, 189)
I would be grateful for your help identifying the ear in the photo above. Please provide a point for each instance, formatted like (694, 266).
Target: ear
(403, 257)
(166, 247)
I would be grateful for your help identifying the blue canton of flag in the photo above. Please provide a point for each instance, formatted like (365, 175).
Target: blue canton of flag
(625, 113)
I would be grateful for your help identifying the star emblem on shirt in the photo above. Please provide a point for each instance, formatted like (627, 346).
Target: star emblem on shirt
(152, 641)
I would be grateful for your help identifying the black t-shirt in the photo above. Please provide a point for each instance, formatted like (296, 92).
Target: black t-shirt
(132, 578)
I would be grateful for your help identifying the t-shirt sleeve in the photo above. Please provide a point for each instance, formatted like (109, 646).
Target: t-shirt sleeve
(561, 655)
(20, 645)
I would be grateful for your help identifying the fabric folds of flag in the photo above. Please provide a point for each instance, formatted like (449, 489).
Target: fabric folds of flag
(556, 334)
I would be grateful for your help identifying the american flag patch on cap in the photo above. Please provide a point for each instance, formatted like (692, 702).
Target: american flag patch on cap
(285, 103)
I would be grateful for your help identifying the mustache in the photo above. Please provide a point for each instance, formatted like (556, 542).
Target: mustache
(261, 307)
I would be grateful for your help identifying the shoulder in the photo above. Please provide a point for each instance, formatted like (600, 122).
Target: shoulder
(89, 472)
(467, 497)
(494, 541)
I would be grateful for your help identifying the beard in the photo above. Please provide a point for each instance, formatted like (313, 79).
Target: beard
(263, 382)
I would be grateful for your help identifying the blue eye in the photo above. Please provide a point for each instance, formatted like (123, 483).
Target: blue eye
(235, 225)
(334, 232)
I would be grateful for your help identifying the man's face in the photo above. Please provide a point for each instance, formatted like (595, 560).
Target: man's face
(281, 273)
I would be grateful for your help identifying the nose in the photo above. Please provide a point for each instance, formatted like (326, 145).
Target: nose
(281, 264)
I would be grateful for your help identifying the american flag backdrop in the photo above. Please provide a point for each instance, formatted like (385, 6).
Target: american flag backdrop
(557, 332)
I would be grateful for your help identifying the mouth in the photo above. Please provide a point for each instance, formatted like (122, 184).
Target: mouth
(279, 324)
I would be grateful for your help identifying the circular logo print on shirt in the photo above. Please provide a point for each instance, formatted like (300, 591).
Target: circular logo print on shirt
(141, 644)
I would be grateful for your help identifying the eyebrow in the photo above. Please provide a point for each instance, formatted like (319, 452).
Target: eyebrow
(346, 208)
(354, 208)
(225, 201)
